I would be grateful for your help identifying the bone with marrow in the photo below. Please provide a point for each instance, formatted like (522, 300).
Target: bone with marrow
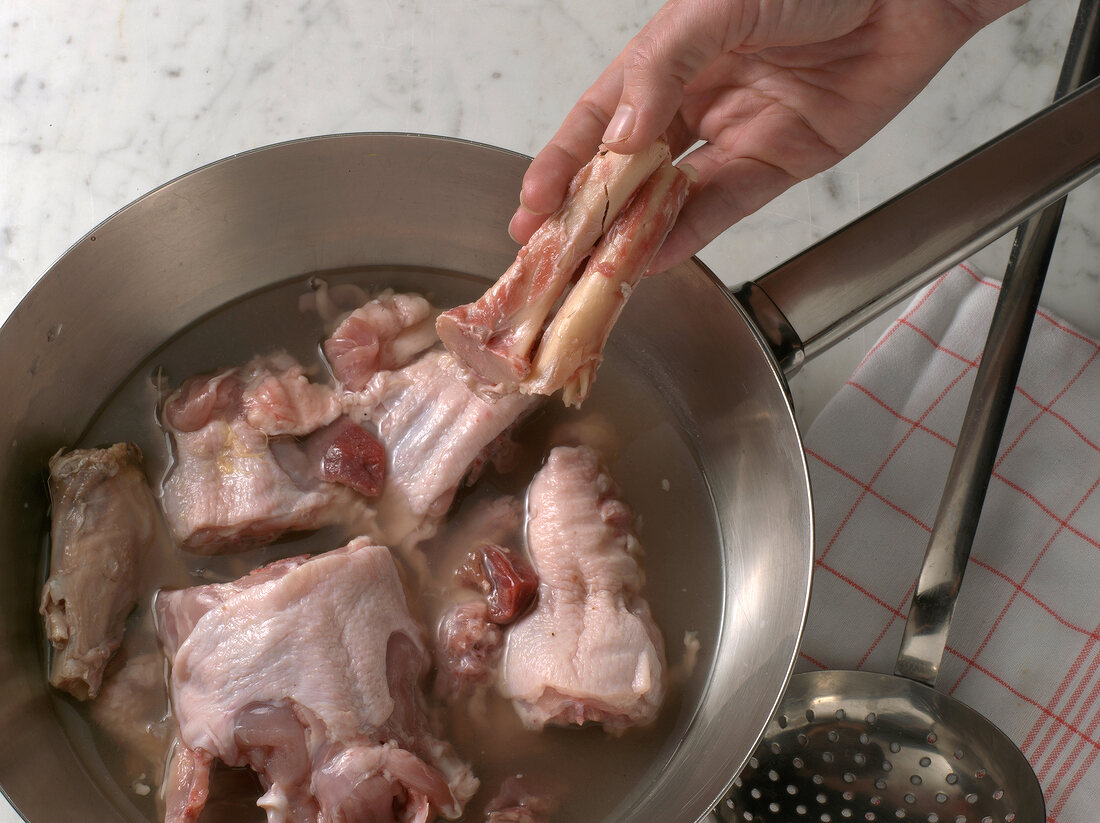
(631, 201)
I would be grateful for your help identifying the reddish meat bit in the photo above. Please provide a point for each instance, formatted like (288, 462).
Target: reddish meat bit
(507, 581)
(355, 459)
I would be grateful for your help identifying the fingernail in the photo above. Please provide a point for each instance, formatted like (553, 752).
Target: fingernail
(511, 225)
(621, 125)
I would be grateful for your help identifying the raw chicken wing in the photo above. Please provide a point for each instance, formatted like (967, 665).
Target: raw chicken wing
(589, 651)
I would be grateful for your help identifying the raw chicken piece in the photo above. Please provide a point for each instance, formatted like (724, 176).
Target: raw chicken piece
(590, 651)
(272, 394)
(469, 637)
(494, 336)
(104, 523)
(522, 799)
(308, 670)
(132, 708)
(508, 584)
(383, 334)
(468, 646)
(437, 431)
(572, 346)
(240, 476)
(346, 453)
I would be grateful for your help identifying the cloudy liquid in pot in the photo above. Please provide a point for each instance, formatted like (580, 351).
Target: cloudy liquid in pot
(625, 418)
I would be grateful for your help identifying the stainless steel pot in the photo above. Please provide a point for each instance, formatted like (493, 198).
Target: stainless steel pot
(353, 201)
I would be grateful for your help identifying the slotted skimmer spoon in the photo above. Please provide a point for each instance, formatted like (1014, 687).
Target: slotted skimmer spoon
(861, 746)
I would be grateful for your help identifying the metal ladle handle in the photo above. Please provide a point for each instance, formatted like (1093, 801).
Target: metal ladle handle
(925, 635)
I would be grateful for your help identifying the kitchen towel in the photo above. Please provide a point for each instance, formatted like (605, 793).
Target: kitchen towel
(1024, 647)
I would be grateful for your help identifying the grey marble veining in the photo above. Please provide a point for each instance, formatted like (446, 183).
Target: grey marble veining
(101, 102)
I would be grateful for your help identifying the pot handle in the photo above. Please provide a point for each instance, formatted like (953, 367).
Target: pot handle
(820, 296)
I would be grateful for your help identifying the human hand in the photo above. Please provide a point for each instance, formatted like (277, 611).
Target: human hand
(776, 91)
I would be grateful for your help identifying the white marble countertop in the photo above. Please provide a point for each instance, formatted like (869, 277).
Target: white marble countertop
(101, 102)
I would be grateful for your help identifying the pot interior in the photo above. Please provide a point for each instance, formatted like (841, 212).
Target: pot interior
(188, 279)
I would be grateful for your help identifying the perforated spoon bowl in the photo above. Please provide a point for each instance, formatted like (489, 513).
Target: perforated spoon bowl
(860, 746)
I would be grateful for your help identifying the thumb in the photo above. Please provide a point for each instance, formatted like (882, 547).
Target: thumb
(681, 40)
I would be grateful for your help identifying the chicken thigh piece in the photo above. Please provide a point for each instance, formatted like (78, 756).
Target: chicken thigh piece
(105, 521)
(590, 650)
(308, 671)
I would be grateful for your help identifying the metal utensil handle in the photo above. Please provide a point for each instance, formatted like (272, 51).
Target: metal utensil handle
(925, 635)
(825, 293)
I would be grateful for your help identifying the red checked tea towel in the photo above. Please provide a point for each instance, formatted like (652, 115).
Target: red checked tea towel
(1024, 648)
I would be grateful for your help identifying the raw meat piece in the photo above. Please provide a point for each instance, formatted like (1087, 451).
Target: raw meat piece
(436, 431)
(523, 800)
(383, 334)
(348, 454)
(468, 646)
(104, 523)
(572, 346)
(494, 336)
(491, 587)
(186, 784)
(240, 477)
(508, 584)
(273, 394)
(131, 707)
(469, 638)
(589, 651)
(308, 671)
